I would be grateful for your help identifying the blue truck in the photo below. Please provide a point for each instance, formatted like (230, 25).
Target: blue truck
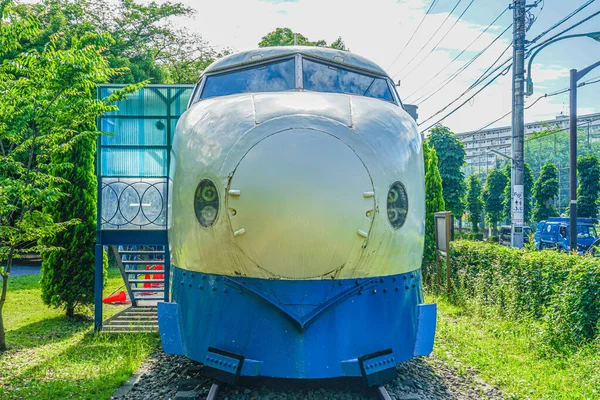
(555, 234)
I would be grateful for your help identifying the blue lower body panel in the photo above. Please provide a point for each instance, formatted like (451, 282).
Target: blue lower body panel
(307, 329)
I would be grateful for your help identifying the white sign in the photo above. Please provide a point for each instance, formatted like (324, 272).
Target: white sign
(518, 202)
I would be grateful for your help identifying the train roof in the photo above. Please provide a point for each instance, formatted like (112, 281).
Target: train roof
(325, 53)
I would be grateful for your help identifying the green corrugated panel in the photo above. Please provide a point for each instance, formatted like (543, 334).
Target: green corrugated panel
(142, 123)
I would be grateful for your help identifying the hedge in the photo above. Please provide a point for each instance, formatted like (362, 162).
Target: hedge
(560, 290)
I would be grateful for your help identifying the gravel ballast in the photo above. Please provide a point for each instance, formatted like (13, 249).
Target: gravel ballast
(165, 376)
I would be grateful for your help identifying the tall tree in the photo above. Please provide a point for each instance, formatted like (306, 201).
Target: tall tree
(451, 156)
(145, 41)
(493, 197)
(434, 200)
(545, 190)
(588, 171)
(45, 103)
(474, 202)
(286, 37)
(68, 265)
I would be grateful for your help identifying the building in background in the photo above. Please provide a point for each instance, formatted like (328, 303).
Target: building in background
(544, 141)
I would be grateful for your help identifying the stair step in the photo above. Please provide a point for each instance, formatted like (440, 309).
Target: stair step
(147, 289)
(149, 262)
(134, 328)
(146, 280)
(141, 252)
(133, 323)
(149, 297)
(144, 271)
(137, 318)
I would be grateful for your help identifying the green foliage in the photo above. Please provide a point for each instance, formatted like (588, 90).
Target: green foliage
(561, 290)
(474, 202)
(527, 194)
(68, 273)
(285, 37)
(434, 201)
(588, 171)
(553, 144)
(145, 41)
(451, 158)
(47, 104)
(493, 196)
(545, 190)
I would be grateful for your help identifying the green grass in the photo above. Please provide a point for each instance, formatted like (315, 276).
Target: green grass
(52, 357)
(506, 354)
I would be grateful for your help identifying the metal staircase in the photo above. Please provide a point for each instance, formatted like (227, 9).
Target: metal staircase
(142, 268)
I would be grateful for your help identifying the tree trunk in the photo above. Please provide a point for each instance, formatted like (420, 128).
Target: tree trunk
(2, 333)
(70, 311)
(5, 275)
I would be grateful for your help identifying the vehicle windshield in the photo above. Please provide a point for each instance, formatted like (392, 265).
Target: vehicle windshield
(274, 77)
(586, 231)
(327, 78)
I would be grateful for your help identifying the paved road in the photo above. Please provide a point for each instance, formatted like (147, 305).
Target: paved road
(20, 270)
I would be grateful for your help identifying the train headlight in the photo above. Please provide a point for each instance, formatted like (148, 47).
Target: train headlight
(397, 205)
(206, 203)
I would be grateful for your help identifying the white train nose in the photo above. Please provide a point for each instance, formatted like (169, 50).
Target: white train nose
(300, 203)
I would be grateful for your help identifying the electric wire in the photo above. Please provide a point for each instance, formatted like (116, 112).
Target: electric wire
(557, 24)
(458, 55)
(438, 43)
(546, 95)
(435, 33)
(481, 78)
(413, 34)
(504, 72)
(562, 32)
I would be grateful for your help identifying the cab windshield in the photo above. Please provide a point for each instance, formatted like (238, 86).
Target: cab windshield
(279, 76)
(327, 78)
(274, 77)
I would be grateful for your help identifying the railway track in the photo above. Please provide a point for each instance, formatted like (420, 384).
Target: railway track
(177, 378)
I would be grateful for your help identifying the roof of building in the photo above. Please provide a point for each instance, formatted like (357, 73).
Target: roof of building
(325, 53)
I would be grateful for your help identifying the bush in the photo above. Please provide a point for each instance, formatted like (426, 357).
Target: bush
(493, 239)
(560, 290)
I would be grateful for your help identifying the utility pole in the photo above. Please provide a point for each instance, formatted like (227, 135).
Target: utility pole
(518, 122)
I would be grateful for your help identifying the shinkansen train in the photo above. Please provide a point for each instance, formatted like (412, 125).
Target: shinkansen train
(297, 221)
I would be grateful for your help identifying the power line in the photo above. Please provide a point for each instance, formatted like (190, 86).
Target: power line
(459, 54)
(546, 95)
(564, 31)
(504, 72)
(413, 34)
(480, 79)
(432, 36)
(538, 37)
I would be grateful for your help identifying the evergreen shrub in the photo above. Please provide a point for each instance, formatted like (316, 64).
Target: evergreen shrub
(562, 291)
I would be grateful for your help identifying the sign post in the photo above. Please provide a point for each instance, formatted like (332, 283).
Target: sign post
(518, 215)
(444, 233)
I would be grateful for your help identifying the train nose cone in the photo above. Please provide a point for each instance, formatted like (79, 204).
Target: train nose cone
(300, 204)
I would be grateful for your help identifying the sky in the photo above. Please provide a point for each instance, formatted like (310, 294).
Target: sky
(380, 30)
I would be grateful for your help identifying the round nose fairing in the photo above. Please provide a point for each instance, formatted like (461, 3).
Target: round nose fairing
(299, 202)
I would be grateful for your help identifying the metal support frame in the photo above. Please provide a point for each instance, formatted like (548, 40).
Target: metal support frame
(124, 275)
(575, 76)
(131, 236)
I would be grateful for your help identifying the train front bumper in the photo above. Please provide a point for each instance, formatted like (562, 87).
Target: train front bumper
(307, 329)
